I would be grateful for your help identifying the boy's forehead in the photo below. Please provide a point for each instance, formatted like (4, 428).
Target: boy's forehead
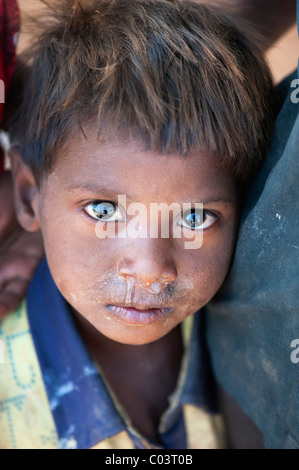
(128, 167)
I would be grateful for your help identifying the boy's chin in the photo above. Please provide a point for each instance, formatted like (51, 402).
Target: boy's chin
(124, 325)
(136, 335)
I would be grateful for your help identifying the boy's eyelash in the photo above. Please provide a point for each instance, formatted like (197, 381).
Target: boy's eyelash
(82, 208)
(94, 202)
(212, 213)
(99, 201)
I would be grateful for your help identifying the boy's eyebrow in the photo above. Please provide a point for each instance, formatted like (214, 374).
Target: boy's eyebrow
(215, 200)
(107, 192)
(95, 189)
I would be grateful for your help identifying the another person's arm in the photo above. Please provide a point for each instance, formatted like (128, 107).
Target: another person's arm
(270, 18)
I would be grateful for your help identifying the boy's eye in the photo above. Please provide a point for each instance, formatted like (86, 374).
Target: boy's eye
(197, 219)
(105, 211)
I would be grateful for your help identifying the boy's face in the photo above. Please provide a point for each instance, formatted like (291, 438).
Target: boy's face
(132, 289)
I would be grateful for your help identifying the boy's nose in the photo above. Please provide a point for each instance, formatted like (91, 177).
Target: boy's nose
(150, 269)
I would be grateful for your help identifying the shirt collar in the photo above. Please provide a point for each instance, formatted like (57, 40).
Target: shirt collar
(82, 408)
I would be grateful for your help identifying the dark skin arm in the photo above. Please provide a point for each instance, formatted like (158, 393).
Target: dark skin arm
(270, 18)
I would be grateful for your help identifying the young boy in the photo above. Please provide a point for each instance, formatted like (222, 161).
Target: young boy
(128, 104)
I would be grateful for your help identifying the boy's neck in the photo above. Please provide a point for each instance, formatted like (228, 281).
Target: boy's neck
(142, 377)
(98, 343)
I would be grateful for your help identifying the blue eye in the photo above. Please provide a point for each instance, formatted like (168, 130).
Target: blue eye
(104, 211)
(197, 219)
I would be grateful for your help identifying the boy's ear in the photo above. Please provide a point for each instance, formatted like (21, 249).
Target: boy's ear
(25, 192)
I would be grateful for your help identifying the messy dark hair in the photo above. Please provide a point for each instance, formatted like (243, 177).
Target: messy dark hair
(177, 75)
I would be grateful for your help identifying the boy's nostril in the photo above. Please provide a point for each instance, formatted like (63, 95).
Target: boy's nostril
(150, 276)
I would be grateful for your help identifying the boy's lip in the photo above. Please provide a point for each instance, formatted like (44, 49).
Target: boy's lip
(138, 315)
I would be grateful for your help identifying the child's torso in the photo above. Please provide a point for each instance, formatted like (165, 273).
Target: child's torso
(142, 381)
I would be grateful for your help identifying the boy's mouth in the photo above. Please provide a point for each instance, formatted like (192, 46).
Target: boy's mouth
(138, 316)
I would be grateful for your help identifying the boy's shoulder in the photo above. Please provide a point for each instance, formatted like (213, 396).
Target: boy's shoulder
(25, 417)
(40, 362)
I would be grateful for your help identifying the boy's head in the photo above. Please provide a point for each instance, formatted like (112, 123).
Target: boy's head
(160, 101)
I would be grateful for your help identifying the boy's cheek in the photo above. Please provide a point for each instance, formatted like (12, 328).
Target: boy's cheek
(77, 258)
(204, 280)
(207, 267)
